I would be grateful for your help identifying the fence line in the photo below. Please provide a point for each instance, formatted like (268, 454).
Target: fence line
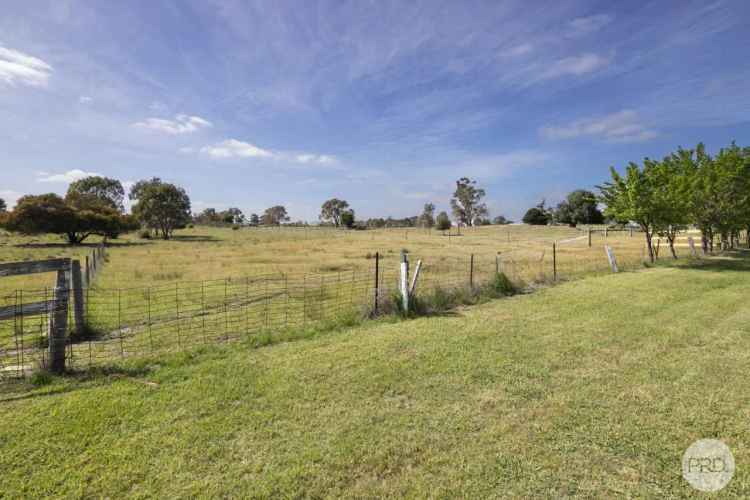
(125, 322)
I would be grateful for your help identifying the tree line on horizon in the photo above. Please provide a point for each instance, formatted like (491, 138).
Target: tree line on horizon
(687, 187)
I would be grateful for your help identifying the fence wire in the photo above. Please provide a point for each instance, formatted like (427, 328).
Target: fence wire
(127, 322)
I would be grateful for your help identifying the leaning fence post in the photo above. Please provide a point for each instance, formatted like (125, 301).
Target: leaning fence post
(59, 325)
(405, 281)
(78, 311)
(413, 287)
(611, 258)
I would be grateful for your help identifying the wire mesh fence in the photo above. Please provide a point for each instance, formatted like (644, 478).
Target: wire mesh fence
(126, 322)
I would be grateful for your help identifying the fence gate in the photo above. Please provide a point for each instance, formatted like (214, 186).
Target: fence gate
(56, 308)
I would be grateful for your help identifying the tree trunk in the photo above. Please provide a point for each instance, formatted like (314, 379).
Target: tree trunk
(649, 246)
(670, 239)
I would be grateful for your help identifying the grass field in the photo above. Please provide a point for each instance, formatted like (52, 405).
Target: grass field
(592, 388)
(205, 253)
(210, 285)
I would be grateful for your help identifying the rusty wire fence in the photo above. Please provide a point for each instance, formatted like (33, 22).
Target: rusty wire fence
(128, 322)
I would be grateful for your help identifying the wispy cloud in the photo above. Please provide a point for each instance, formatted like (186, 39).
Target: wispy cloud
(182, 124)
(313, 158)
(84, 99)
(623, 126)
(69, 176)
(517, 50)
(576, 65)
(234, 148)
(17, 68)
(583, 26)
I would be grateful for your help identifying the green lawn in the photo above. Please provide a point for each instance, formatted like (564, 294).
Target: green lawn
(592, 388)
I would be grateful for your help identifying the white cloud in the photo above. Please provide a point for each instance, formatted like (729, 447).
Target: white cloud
(232, 148)
(518, 50)
(576, 65)
(583, 26)
(313, 158)
(182, 124)
(69, 176)
(10, 197)
(84, 99)
(19, 68)
(622, 126)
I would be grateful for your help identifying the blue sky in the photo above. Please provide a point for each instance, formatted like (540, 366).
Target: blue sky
(385, 104)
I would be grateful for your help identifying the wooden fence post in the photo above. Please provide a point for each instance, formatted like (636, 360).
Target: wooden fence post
(554, 261)
(377, 278)
(88, 272)
(58, 325)
(77, 282)
(589, 237)
(405, 281)
(611, 258)
(414, 278)
(471, 271)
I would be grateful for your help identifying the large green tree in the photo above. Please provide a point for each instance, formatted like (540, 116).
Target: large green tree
(76, 217)
(579, 207)
(466, 203)
(3, 206)
(537, 215)
(332, 210)
(160, 206)
(633, 197)
(275, 216)
(109, 191)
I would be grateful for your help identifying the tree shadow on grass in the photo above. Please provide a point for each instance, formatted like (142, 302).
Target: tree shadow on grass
(75, 380)
(194, 238)
(110, 244)
(735, 260)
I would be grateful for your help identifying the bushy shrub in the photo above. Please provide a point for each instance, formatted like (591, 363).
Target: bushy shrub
(144, 234)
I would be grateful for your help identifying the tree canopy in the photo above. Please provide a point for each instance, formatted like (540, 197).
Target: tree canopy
(467, 203)
(3, 206)
(275, 216)
(537, 216)
(427, 219)
(333, 210)
(76, 217)
(160, 206)
(579, 207)
(443, 222)
(108, 191)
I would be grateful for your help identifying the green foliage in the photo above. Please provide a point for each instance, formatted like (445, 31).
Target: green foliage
(347, 218)
(467, 203)
(427, 219)
(274, 216)
(3, 206)
(76, 217)
(500, 220)
(160, 206)
(229, 217)
(333, 211)
(537, 216)
(579, 207)
(443, 222)
(108, 191)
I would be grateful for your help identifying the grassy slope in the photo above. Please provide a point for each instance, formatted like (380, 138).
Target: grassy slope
(591, 388)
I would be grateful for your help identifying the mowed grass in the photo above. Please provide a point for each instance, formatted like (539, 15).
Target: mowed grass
(593, 388)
